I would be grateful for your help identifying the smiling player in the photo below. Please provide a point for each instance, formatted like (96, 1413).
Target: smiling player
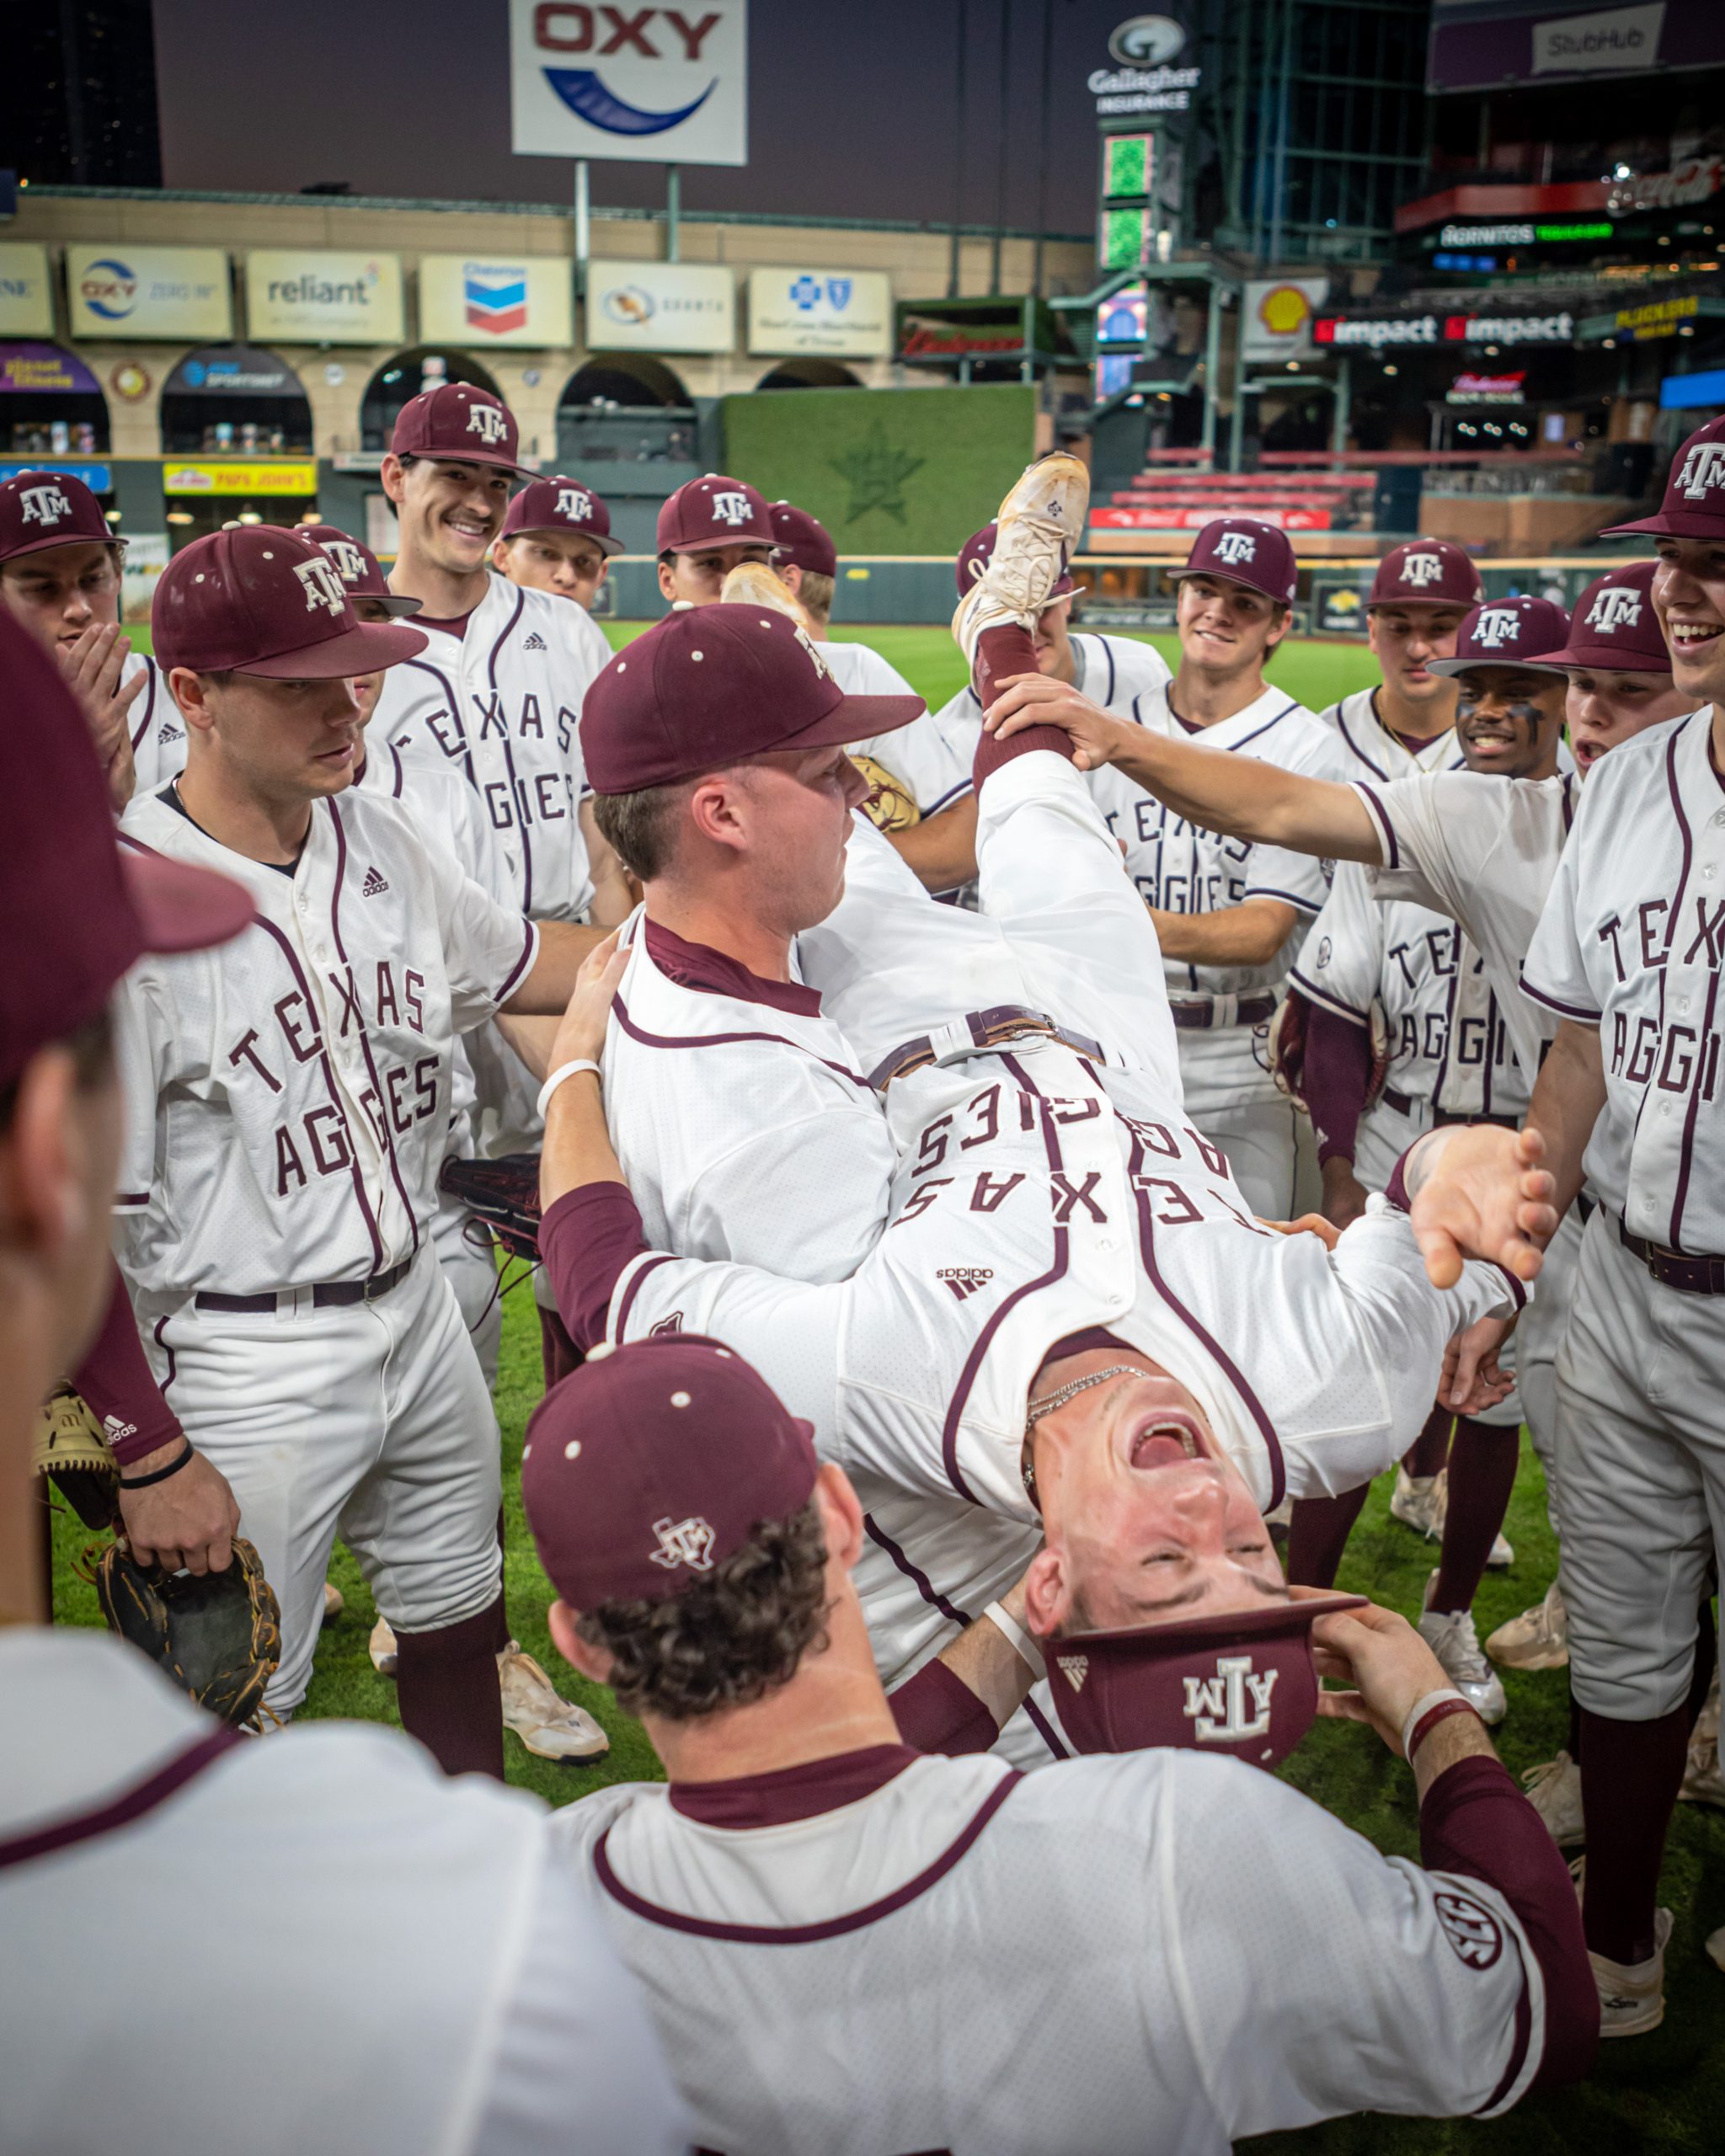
(1420, 592)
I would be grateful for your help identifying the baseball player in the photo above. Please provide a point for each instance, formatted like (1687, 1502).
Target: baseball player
(556, 537)
(1419, 594)
(60, 565)
(845, 1944)
(449, 817)
(289, 1106)
(1627, 956)
(922, 797)
(706, 529)
(481, 2006)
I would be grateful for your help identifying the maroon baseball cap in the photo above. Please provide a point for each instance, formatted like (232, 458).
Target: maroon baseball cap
(1241, 1684)
(655, 1462)
(38, 510)
(1614, 627)
(975, 555)
(712, 686)
(561, 505)
(1245, 551)
(461, 424)
(1505, 633)
(358, 567)
(1434, 572)
(78, 909)
(803, 541)
(714, 511)
(262, 600)
(1693, 507)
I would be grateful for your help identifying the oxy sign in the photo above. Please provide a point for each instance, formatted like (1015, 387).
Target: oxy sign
(631, 82)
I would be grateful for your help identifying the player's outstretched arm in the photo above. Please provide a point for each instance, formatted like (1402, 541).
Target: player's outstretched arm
(565, 947)
(1235, 795)
(1567, 1100)
(1480, 1192)
(577, 1149)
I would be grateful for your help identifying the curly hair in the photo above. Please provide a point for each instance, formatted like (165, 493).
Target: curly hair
(727, 1639)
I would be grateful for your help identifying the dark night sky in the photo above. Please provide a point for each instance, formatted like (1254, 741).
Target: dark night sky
(852, 106)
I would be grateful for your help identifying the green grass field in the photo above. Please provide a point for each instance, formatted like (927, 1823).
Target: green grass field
(1652, 2096)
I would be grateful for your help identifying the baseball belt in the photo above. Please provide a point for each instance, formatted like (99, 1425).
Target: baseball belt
(1214, 1013)
(326, 1296)
(1675, 1268)
(976, 1031)
(1442, 1118)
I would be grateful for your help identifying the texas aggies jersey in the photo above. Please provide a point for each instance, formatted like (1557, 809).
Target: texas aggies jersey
(1179, 868)
(1483, 851)
(924, 760)
(1449, 1044)
(157, 730)
(1370, 751)
(501, 704)
(289, 1094)
(1632, 940)
(866, 1963)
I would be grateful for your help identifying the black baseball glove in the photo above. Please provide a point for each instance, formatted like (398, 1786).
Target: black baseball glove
(505, 1194)
(217, 1634)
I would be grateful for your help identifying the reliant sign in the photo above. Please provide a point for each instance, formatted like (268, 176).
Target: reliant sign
(849, 314)
(324, 298)
(667, 84)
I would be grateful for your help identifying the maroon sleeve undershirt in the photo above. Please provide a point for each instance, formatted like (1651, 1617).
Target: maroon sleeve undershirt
(937, 1711)
(117, 1382)
(587, 1240)
(1474, 1820)
(1337, 1072)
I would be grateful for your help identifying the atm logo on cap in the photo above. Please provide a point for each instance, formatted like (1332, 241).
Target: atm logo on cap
(349, 562)
(1234, 547)
(1217, 1706)
(1703, 470)
(1496, 626)
(1614, 609)
(321, 582)
(626, 35)
(575, 505)
(684, 1542)
(488, 422)
(43, 506)
(1421, 569)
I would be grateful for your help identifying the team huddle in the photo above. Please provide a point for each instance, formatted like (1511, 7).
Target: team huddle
(1006, 1179)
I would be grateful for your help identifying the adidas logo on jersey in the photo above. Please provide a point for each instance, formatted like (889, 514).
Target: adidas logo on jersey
(171, 733)
(1075, 1667)
(1216, 1706)
(116, 1430)
(374, 886)
(965, 1279)
(534, 642)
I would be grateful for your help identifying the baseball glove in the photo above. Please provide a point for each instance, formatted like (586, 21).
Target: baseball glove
(217, 1634)
(1287, 1049)
(889, 806)
(72, 1449)
(505, 1194)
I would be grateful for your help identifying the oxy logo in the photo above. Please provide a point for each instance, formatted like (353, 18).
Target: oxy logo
(1496, 628)
(1236, 547)
(1614, 608)
(490, 422)
(1217, 1706)
(322, 583)
(628, 36)
(965, 1280)
(1472, 1930)
(575, 503)
(109, 288)
(730, 506)
(349, 562)
(1147, 40)
(1075, 1669)
(683, 1542)
(44, 506)
(1421, 569)
(1703, 470)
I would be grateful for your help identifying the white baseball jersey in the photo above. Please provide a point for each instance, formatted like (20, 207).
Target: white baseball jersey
(742, 1123)
(482, 2009)
(1371, 752)
(590, 638)
(1180, 868)
(1449, 1045)
(289, 1094)
(1483, 851)
(501, 704)
(157, 730)
(920, 757)
(1631, 939)
(945, 1956)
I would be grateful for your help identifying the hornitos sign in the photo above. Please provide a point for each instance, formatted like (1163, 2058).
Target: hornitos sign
(132, 292)
(316, 297)
(667, 84)
(1142, 81)
(795, 311)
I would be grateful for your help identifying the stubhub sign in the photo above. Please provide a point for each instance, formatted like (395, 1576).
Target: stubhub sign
(667, 84)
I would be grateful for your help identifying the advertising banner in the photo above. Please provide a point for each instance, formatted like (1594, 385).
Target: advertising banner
(26, 298)
(1276, 316)
(98, 478)
(148, 291)
(466, 299)
(45, 371)
(669, 83)
(295, 477)
(660, 306)
(314, 296)
(1114, 519)
(1376, 332)
(1489, 44)
(232, 370)
(849, 313)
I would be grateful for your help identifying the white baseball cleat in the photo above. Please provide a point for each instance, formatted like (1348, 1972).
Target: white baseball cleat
(334, 1602)
(1040, 521)
(1452, 1637)
(1538, 1639)
(1702, 1781)
(1554, 1791)
(1418, 1503)
(551, 1726)
(382, 1648)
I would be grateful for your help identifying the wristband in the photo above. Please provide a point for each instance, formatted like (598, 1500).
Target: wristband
(1425, 1714)
(564, 1070)
(1026, 1648)
(160, 1474)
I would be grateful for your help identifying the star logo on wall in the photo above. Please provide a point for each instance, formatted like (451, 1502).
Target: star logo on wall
(877, 473)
